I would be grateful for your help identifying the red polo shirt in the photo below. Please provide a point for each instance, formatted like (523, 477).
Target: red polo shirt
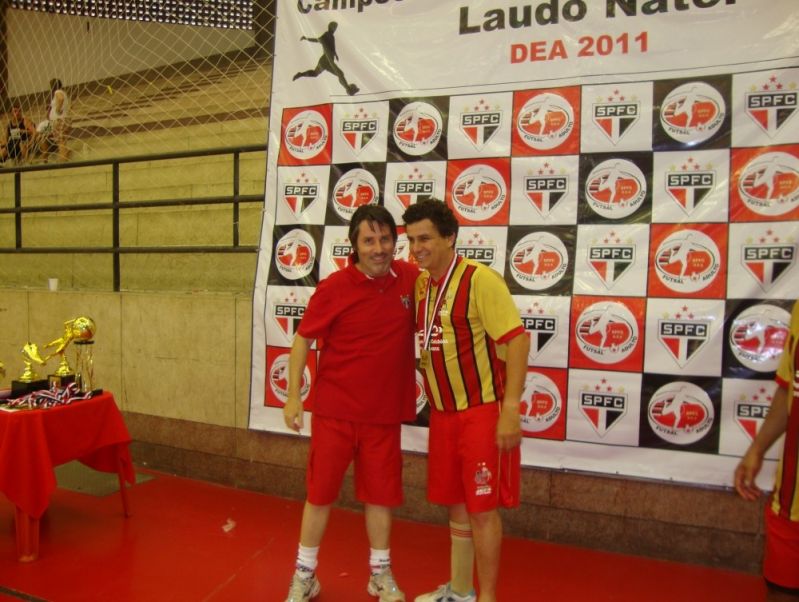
(365, 330)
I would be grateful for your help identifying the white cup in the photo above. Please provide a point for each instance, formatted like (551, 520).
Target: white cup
(52, 284)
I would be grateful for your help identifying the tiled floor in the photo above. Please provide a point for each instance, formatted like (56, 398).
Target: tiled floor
(189, 540)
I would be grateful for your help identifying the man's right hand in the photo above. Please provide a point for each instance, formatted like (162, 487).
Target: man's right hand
(293, 414)
(745, 473)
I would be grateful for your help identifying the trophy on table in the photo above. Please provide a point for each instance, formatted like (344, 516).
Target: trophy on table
(29, 380)
(83, 329)
(63, 374)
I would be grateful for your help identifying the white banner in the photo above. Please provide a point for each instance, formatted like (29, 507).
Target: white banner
(630, 167)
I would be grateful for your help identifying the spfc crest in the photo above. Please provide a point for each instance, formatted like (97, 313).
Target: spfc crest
(615, 117)
(683, 337)
(767, 260)
(358, 130)
(298, 197)
(610, 261)
(689, 188)
(480, 125)
(771, 105)
(603, 408)
(545, 191)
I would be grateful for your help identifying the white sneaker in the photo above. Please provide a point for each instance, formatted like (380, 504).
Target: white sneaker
(445, 594)
(384, 587)
(303, 589)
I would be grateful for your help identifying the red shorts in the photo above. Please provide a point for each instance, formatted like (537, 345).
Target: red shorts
(375, 448)
(781, 560)
(465, 464)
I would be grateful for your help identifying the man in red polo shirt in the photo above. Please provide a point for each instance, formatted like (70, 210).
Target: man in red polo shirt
(781, 560)
(363, 318)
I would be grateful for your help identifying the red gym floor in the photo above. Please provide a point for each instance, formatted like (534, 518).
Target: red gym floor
(188, 540)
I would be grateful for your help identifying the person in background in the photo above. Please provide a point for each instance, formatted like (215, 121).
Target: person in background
(19, 136)
(54, 132)
(468, 324)
(781, 558)
(362, 317)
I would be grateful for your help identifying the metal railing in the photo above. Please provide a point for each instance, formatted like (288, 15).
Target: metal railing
(115, 206)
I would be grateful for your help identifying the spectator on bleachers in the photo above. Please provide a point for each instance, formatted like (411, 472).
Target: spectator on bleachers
(19, 135)
(53, 132)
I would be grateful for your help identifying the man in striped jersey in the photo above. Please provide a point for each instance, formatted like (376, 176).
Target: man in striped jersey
(781, 559)
(474, 357)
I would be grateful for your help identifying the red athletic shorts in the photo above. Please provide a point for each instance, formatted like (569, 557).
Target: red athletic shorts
(781, 560)
(375, 448)
(465, 464)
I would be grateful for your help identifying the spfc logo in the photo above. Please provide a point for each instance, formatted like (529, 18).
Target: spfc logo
(610, 261)
(768, 259)
(306, 135)
(480, 124)
(602, 407)
(355, 188)
(418, 128)
(539, 261)
(359, 129)
(295, 253)
(750, 413)
(615, 188)
(545, 191)
(683, 336)
(687, 261)
(477, 247)
(616, 116)
(758, 335)
(769, 184)
(771, 105)
(279, 379)
(287, 314)
(340, 252)
(299, 196)
(541, 329)
(681, 413)
(479, 192)
(689, 185)
(545, 121)
(692, 113)
(541, 403)
(607, 332)
(408, 192)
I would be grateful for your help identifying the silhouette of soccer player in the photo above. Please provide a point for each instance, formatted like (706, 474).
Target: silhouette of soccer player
(327, 62)
(768, 176)
(675, 406)
(600, 325)
(682, 253)
(610, 180)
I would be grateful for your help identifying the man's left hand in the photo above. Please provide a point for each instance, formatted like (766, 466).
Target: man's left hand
(509, 429)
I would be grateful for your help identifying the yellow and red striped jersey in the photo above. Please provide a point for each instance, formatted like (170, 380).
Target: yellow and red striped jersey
(476, 317)
(785, 501)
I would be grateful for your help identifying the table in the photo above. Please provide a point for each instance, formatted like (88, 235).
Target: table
(33, 442)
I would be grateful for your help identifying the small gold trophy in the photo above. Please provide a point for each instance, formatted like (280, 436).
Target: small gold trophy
(29, 380)
(63, 374)
(83, 330)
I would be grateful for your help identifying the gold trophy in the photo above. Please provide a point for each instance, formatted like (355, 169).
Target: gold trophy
(82, 330)
(29, 380)
(63, 374)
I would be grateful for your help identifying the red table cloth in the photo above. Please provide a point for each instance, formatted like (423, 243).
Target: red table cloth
(33, 442)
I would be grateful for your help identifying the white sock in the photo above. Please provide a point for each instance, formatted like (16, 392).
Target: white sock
(379, 560)
(307, 560)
